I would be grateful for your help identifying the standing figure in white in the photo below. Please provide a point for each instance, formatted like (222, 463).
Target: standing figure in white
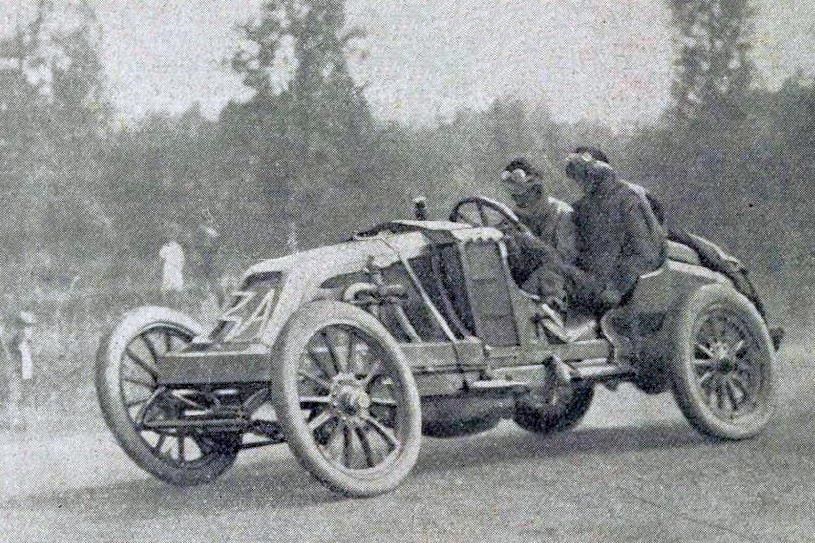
(22, 385)
(172, 269)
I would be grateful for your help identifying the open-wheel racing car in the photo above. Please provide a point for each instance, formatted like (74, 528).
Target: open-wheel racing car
(414, 328)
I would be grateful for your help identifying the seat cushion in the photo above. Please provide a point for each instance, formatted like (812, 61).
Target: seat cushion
(682, 253)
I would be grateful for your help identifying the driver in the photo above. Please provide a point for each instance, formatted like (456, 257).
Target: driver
(538, 252)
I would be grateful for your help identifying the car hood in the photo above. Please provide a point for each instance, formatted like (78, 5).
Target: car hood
(384, 244)
(303, 273)
(332, 259)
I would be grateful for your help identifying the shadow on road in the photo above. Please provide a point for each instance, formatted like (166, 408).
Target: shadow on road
(276, 481)
(508, 447)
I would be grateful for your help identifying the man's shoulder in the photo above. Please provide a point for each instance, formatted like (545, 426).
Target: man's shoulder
(628, 195)
(637, 189)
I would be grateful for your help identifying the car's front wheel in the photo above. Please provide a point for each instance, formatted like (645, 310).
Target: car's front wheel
(346, 399)
(132, 401)
(722, 368)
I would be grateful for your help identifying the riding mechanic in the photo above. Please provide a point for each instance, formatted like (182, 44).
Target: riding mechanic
(618, 236)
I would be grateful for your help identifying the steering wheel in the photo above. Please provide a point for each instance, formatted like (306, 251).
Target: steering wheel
(483, 211)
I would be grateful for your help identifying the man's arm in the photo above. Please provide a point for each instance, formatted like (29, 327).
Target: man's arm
(642, 248)
(566, 237)
(526, 240)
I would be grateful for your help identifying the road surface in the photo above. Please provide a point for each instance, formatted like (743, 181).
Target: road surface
(634, 471)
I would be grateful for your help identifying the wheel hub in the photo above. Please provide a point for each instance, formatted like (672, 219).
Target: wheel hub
(726, 368)
(725, 361)
(348, 395)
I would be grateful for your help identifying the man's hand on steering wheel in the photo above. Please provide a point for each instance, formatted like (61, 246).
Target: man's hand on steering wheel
(510, 229)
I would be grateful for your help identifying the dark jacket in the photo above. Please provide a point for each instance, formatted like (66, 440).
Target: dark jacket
(536, 258)
(618, 238)
(551, 221)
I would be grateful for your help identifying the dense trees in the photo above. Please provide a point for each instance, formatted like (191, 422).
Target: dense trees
(731, 159)
(713, 66)
(53, 119)
(307, 124)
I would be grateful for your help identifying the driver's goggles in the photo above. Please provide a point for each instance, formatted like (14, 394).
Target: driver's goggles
(515, 177)
(577, 164)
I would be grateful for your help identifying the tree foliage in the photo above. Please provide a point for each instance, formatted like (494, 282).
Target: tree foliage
(53, 116)
(713, 67)
(307, 123)
(732, 161)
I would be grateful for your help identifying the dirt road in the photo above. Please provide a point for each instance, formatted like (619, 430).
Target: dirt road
(634, 471)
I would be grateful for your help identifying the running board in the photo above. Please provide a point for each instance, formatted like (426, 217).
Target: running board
(269, 429)
(223, 424)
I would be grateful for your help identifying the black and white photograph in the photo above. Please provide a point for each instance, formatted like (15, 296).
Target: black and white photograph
(421, 271)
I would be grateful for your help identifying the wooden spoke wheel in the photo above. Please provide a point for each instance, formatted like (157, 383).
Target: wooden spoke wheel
(134, 405)
(346, 399)
(723, 370)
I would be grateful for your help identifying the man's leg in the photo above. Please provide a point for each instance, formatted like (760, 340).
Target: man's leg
(548, 283)
(584, 291)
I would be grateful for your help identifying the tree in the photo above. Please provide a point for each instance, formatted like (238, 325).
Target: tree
(52, 115)
(694, 156)
(713, 68)
(24, 153)
(307, 123)
(165, 169)
(79, 117)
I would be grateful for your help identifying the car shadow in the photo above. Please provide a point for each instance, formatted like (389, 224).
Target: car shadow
(507, 447)
(277, 481)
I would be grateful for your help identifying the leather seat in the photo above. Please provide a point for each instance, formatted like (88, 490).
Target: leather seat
(682, 253)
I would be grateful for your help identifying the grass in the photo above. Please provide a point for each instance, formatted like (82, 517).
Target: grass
(71, 320)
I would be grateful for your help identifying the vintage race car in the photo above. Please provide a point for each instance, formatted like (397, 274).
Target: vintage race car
(350, 353)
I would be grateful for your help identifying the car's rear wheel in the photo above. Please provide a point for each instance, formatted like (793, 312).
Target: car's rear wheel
(722, 369)
(130, 398)
(553, 409)
(346, 399)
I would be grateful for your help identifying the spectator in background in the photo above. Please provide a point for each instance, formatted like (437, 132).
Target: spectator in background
(6, 375)
(207, 244)
(172, 268)
(21, 376)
